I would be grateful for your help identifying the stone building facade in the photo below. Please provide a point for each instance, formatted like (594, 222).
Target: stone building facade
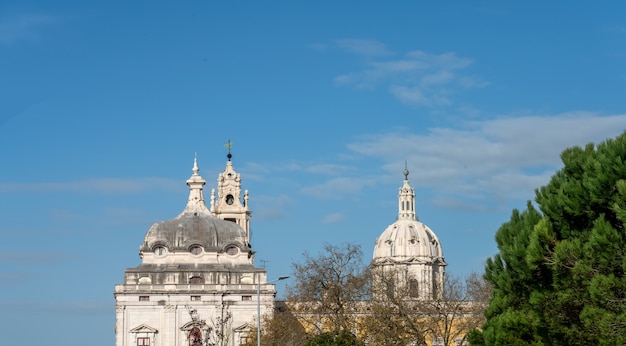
(197, 283)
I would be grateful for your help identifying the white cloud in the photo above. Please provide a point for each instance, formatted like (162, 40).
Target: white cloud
(272, 207)
(102, 185)
(449, 203)
(398, 66)
(364, 47)
(70, 307)
(14, 278)
(338, 187)
(333, 218)
(24, 27)
(416, 96)
(417, 77)
(498, 159)
(33, 257)
(330, 169)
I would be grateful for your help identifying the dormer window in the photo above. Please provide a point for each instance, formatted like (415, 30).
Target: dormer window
(232, 250)
(195, 249)
(160, 251)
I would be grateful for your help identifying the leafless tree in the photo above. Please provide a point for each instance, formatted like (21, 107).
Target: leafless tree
(391, 318)
(279, 328)
(329, 288)
(398, 318)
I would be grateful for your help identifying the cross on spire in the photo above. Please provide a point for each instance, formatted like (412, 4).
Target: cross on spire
(228, 146)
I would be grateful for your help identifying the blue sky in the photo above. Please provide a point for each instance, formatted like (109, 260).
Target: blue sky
(103, 106)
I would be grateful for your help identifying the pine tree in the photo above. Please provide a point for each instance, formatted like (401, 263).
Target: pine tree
(560, 275)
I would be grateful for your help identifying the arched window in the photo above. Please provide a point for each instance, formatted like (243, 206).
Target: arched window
(195, 337)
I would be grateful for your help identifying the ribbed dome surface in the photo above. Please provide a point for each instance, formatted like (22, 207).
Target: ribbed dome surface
(406, 239)
(189, 229)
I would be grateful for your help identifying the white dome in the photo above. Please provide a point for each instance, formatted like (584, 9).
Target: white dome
(408, 240)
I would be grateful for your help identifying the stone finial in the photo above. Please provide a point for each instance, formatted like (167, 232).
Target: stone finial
(195, 203)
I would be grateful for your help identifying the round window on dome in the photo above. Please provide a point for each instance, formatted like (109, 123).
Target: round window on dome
(232, 250)
(195, 249)
(160, 251)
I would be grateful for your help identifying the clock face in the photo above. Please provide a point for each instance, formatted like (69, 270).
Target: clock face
(230, 199)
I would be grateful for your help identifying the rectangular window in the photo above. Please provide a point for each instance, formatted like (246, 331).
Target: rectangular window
(143, 341)
(246, 298)
(144, 298)
(413, 288)
(195, 298)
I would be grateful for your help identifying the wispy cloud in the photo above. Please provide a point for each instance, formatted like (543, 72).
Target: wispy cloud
(272, 207)
(32, 257)
(617, 29)
(63, 307)
(364, 47)
(329, 169)
(260, 172)
(333, 218)
(415, 77)
(455, 204)
(102, 185)
(13, 278)
(501, 158)
(337, 187)
(24, 27)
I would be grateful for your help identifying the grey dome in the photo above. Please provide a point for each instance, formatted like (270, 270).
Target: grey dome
(189, 229)
(195, 226)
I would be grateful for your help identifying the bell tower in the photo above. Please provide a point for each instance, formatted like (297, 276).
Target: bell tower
(229, 204)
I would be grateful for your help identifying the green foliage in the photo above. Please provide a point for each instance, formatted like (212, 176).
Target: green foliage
(559, 278)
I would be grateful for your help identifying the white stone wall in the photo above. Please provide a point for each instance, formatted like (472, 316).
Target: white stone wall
(167, 312)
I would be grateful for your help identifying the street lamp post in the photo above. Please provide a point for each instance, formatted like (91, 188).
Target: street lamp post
(258, 307)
